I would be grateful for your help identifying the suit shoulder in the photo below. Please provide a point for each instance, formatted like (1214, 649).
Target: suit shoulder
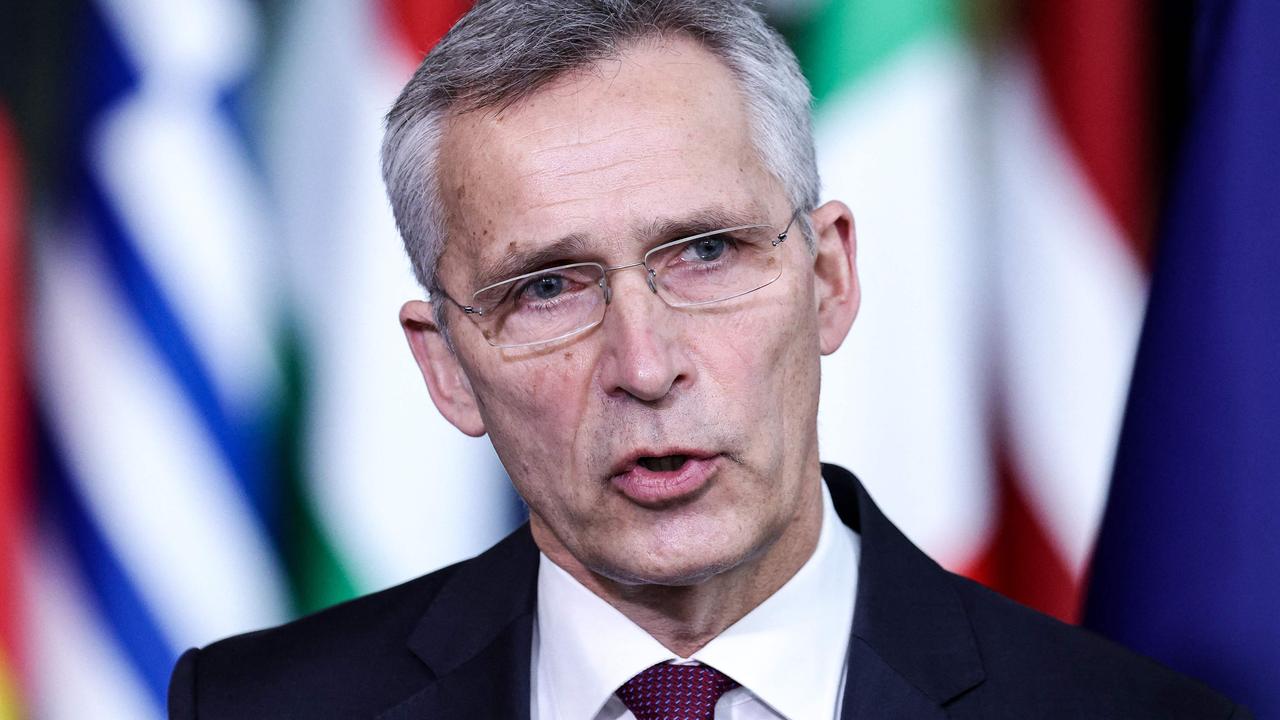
(1035, 661)
(360, 620)
(340, 661)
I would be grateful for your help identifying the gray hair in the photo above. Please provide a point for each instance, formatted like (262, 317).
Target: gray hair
(504, 50)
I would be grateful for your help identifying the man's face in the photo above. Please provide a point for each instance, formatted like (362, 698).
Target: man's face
(727, 394)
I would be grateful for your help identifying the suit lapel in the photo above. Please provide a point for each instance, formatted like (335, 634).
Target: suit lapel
(477, 638)
(875, 690)
(911, 649)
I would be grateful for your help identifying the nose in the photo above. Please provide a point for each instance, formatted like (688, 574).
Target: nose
(645, 352)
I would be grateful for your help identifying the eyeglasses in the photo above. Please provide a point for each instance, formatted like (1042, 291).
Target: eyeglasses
(560, 302)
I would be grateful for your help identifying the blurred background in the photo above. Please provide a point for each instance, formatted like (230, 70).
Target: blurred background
(210, 422)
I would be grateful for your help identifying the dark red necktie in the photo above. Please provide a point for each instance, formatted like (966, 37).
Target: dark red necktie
(675, 692)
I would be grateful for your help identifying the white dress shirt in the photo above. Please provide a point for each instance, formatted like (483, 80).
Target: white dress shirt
(788, 653)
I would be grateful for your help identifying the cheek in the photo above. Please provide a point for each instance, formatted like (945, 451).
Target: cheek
(533, 414)
(769, 364)
(771, 344)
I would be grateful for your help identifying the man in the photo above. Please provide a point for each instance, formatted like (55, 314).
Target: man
(613, 206)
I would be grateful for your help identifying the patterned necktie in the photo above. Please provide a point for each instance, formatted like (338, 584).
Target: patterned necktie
(675, 692)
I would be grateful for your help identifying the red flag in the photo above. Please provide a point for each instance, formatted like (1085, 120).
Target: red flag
(15, 462)
(418, 26)
(1090, 59)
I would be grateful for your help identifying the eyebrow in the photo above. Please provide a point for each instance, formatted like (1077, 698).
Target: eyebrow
(574, 247)
(698, 222)
(567, 249)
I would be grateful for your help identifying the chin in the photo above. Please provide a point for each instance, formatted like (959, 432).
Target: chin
(670, 566)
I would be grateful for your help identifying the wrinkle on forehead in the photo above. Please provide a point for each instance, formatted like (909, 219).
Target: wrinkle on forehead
(633, 185)
(566, 172)
(562, 126)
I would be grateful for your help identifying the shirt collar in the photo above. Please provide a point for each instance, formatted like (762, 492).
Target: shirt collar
(587, 648)
(789, 651)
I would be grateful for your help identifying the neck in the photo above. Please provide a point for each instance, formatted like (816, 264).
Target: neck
(684, 618)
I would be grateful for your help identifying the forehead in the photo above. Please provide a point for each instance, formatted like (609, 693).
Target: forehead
(602, 153)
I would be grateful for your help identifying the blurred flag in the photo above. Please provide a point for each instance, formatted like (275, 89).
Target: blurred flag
(1188, 562)
(155, 376)
(998, 194)
(183, 497)
(15, 460)
(392, 489)
(1068, 127)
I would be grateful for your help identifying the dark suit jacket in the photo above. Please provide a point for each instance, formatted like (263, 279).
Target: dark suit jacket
(457, 643)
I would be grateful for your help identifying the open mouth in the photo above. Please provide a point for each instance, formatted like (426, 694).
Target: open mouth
(664, 463)
(657, 481)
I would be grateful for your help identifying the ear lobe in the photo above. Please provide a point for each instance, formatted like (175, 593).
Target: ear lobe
(837, 293)
(446, 380)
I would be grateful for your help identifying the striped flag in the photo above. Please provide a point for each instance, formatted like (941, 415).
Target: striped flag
(999, 224)
(1068, 124)
(155, 376)
(231, 428)
(1188, 563)
(15, 460)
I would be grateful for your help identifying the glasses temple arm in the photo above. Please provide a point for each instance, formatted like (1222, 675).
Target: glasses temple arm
(787, 230)
(468, 309)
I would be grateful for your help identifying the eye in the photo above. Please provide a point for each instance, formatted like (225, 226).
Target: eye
(544, 287)
(706, 249)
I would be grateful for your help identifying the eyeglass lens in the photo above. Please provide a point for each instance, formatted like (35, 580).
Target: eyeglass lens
(561, 301)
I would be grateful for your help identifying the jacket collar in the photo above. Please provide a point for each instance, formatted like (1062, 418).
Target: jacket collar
(477, 637)
(911, 648)
(912, 645)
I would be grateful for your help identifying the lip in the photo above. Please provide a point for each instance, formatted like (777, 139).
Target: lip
(652, 488)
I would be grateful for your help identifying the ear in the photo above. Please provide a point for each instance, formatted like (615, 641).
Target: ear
(446, 380)
(837, 294)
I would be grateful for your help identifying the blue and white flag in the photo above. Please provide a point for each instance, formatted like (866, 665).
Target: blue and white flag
(153, 361)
